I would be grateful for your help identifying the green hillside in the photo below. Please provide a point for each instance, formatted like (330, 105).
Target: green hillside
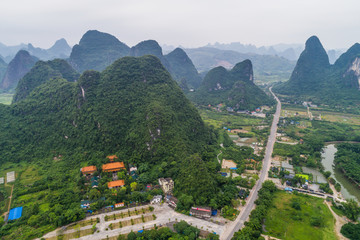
(42, 72)
(124, 109)
(235, 88)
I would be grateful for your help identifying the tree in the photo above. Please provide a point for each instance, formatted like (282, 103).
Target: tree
(133, 186)
(351, 209)
(34, 220)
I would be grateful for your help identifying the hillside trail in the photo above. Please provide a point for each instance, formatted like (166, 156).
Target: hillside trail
(4, 214)
(339, 222)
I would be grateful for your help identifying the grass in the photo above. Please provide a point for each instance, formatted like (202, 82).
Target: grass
(219, 119)
(338, 212)
(125, 214)
(6, 98)
(29, 176)
(283, 221)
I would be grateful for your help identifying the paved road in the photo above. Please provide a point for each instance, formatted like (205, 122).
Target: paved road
(243, 216)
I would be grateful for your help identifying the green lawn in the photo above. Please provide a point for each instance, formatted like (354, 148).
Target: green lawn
(284, 222)
(6, 98)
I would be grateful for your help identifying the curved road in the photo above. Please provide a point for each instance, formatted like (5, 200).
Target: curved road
(245, 213)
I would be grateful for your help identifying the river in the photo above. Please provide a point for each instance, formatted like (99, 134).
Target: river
(348, 190)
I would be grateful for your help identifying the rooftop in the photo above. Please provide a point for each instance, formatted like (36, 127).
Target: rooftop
(117, 183)
(88, 169)
(15, 213)
(114, 166)
(112, 157)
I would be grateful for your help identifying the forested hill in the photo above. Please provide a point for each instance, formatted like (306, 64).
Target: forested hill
(97, 50)
(17, 68)
(183, 70)
(315, 79)
(132, 108)
(234, 88)
(42, 72)
(3, 67)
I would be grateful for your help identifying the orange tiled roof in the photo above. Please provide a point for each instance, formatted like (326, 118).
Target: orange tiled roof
(88, 169)
(112, 167)
(117, 183)
(112, 157)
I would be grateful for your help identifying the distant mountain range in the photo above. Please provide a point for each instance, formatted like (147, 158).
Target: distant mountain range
(315, 79)
(60, 49)
(267, 68)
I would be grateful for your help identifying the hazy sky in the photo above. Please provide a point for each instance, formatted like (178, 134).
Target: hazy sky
(189, 23)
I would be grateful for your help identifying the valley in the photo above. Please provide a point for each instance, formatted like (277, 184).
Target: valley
(119, 142)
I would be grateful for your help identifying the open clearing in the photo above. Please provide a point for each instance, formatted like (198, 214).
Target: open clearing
(285, 222)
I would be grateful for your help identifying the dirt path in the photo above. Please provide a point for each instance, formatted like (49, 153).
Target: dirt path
(12, 188)
(339, 222)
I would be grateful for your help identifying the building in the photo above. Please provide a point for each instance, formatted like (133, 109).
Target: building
(112, 158)
(84, 204)
(94, 182)
(119, 205)
(89, 170)
(172, 201)
(156, 199)
(116, 184)
(201, 212)
(167, 185)
(113, 167)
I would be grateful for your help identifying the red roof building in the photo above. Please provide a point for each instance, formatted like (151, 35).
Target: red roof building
(116, 184)
(88, 170)
(113, 167)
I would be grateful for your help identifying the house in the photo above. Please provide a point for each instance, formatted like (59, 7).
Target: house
(133, 171)
(167, 185)
(119, 205)
(201, 212)
(116, 184)
(287, 189)
(156, 199)
(89, 170)
(113, 167)
(85, 204)
(172, 201)
(112, 158)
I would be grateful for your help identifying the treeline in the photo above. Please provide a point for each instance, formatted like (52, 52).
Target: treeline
(253, 228)
(347, 159)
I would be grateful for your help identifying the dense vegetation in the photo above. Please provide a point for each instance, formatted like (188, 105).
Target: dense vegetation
(182, 231)
(351, 231)
(96, 51)
(347, 158)
(233, 88)
(314, 79)
(253, 228)
(42, 72)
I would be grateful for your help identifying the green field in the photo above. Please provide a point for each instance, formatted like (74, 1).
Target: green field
(285, 222)
(219, 119)
(6, 98)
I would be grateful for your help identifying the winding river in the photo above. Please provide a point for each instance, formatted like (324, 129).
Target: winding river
(348, 190)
